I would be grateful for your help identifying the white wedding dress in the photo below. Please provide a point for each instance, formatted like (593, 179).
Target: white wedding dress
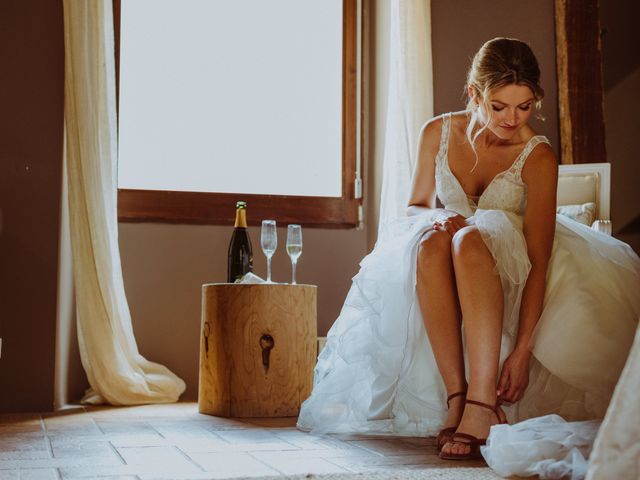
(377, 372)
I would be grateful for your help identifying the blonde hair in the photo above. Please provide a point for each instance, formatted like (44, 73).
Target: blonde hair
(498, 63)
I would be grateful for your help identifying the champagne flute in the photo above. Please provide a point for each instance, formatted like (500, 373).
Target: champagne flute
(294, 247)
(269, 243)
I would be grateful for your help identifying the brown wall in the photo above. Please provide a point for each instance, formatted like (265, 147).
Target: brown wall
(460, 28)
(165, 265)
(31, 123)
(621, 71)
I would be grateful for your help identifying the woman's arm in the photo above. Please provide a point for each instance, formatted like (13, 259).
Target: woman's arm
(422, 200)
(541, 177)
(423, 184)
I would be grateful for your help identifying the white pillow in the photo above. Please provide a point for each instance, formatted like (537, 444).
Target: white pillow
(584, 213)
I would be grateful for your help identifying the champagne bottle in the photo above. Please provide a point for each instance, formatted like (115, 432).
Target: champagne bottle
(240, 257)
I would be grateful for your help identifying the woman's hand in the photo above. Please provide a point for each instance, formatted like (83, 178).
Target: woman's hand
(448, 221)
(514, 377)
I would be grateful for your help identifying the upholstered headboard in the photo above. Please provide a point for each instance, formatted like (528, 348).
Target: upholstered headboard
(582, 183)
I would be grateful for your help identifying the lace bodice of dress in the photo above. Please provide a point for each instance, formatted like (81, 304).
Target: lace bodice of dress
(506, 191)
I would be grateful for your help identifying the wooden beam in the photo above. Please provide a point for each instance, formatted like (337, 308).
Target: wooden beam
(580, 85)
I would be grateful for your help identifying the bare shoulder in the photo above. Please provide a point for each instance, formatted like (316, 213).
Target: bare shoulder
(431, 132)
(541, 165)
(432, 129)
(460, 119)
(423, 182)
(429, 140)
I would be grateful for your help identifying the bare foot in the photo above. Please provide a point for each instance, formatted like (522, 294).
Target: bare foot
(476, 421)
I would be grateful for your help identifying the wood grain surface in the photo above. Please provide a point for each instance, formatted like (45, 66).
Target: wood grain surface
(233, 380)
(580, 82)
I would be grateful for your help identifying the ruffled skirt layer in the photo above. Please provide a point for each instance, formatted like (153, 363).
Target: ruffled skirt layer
(377, 372)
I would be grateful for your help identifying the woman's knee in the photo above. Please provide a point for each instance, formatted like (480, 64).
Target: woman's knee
(434, 246)
(468, 243)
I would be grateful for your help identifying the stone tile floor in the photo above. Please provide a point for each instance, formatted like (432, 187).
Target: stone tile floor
(176, 442)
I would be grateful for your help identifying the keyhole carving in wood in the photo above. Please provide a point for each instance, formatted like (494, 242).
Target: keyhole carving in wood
(206, 332)
(266, 343)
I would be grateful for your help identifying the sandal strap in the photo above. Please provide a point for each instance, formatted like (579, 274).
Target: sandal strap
(473, 440)
(444, 434)
(493, 408)
(454, 395)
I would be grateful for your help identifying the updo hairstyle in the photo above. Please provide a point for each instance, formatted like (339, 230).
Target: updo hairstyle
(500, 62)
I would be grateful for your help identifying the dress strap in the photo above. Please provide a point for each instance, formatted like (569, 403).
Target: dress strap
(444, 135)
(528, 148)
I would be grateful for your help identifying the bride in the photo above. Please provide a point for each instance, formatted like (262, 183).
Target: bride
(491, 309)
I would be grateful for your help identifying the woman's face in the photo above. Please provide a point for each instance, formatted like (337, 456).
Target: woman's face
(511, 107)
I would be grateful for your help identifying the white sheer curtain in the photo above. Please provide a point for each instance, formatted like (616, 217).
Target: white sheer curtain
(117, 373)
(409, 103)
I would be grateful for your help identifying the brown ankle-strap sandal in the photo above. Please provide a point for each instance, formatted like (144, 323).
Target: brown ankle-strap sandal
(473, 442)
(445, 434)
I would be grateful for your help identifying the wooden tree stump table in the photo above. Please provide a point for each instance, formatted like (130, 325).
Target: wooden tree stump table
(257, 349)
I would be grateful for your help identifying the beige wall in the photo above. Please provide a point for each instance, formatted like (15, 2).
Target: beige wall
(31, 95)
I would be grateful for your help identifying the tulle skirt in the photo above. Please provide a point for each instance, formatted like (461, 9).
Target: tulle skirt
(377, 373)
(545, 446)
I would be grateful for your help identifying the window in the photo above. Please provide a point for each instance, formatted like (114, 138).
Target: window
(276, 82)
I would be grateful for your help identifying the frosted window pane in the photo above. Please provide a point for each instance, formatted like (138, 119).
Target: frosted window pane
(231, 96)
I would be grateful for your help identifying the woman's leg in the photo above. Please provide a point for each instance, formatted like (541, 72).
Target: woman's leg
(481, 301)
(437, 294)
